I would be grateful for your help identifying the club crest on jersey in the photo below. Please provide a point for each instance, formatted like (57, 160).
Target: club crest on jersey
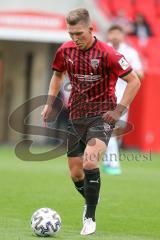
(94, 63)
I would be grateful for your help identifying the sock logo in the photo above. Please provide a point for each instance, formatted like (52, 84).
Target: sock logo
(79, 188)
(94, 181)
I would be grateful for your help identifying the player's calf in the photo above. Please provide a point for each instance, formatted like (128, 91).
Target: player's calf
(92, 182)
(77, 173)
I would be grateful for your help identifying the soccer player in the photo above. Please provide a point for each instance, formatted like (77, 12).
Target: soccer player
(116, 37)
(93, 68)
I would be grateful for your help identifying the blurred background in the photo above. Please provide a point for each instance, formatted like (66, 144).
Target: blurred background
(30, 33)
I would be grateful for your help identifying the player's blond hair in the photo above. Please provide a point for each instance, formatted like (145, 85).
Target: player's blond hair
(78, 15)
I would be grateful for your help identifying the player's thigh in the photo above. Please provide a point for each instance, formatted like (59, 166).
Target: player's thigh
(75, 145)
(94, 151)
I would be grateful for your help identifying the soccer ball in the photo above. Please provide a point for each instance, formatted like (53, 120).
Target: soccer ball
(45, 222)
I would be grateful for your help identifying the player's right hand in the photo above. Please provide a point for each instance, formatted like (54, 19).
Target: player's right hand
(46, 112)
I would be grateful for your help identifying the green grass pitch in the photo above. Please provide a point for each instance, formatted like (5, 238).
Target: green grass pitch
(129, 208)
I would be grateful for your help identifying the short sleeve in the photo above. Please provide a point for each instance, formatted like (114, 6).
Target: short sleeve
(118, 64)
(58, 63)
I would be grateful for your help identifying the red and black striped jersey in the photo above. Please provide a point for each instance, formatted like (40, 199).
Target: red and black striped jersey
(93, 74)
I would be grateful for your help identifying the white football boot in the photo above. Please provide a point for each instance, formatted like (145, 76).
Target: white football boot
(89, 227)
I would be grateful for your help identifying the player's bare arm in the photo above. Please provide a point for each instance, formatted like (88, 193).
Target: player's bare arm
(133, 85)
(140, 73)
(54, 88)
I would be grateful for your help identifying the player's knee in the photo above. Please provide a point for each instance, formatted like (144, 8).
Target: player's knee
(76, 173)
(90, 160)
(76, 168)
(89, 165)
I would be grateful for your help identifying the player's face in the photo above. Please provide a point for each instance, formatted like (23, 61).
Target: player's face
(81, 34)
(115, 37)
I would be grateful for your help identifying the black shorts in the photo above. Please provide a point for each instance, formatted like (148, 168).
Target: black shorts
(81, 130)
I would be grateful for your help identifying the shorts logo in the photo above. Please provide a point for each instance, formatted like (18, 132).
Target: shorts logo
(123, 63)
(94, 63)
(107, 127)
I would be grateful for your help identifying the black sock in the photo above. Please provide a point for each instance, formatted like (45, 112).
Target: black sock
(91, 189)
(80, 187)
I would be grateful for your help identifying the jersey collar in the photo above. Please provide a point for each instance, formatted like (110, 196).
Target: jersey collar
(93, 44)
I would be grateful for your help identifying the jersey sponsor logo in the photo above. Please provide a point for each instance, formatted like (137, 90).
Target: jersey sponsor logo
(94, 63)
(123, 63)
(87, 78)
